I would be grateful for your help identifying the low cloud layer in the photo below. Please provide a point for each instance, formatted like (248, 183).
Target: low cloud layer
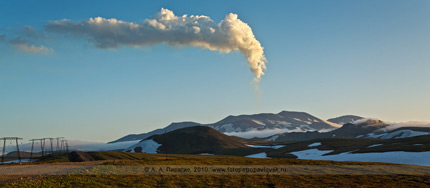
(408, 124)
(260, 133)
(392, 125)
(165, 27)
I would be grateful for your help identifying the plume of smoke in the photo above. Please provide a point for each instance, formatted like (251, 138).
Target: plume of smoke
(165, 27)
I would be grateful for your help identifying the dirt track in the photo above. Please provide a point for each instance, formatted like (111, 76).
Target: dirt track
(12, 172)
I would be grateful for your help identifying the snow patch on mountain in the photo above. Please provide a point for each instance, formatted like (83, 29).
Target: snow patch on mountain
(397, 134)
(284, 123)
(374, 145)
(262, 155)
(229, 128)
(401, 157)
(148, 146)
(274, 147)
(258, 122)
(273, 138)
(315, 144)
(332, 124)
(305, 127)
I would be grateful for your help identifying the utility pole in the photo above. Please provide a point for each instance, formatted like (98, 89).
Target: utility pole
(62, 148)
(58, 148)
(17, 149)
(67, 147)
(50, 139)
(42, 146)
(4, 147)
(31, 152)
(52, 149)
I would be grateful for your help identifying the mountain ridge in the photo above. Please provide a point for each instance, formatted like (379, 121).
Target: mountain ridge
(363, 128)
(287, 121)
(194, 140)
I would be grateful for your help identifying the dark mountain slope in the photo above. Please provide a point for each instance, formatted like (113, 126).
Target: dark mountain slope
(199, 139)
(194, 140)
(169, 128)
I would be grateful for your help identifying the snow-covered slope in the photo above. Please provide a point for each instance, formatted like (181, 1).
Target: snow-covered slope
(401, 157)
(395, 134)
(394, 130)
(411, 150)
(267, 124)
(362, 128)
(145, 146)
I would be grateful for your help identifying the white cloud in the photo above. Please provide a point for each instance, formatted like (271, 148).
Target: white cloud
(25, 46)
(35, 49)
(393, 126)
(262, 133)
(165, 27)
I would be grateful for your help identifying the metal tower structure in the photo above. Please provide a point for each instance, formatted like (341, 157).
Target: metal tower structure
(42, 146)
(4, 147)
(51, 140)
(67, 146)
(59, 145)
(63, 145)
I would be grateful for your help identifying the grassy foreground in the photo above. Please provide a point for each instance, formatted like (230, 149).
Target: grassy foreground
(119, 158)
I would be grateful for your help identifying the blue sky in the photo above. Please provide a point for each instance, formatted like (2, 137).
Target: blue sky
(328, 58)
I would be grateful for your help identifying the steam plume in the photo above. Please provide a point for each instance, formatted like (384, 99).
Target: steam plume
(165, 27)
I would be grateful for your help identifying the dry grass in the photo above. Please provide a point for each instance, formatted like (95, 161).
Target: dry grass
(120, 158)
